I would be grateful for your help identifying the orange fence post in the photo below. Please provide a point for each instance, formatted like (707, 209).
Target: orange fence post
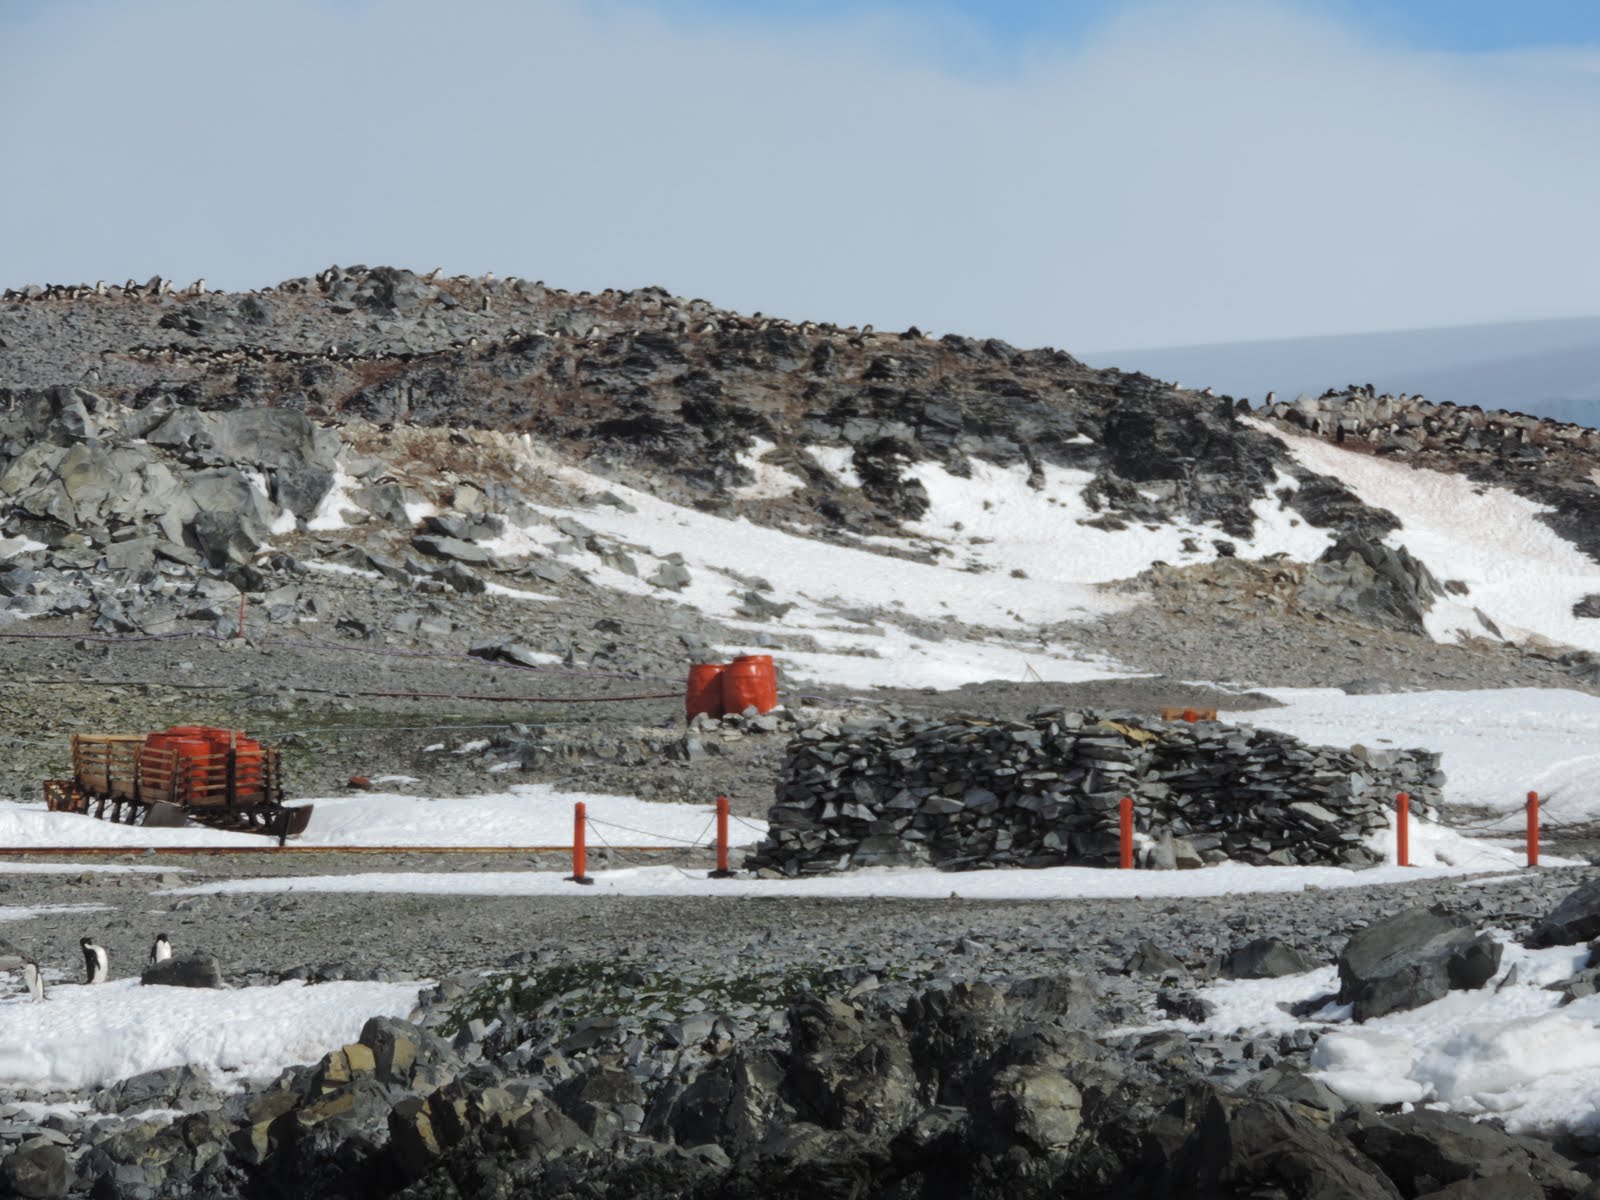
(1126, 862)
(1533, 829)
(580, 844)
(722, 871)
(1402, 829)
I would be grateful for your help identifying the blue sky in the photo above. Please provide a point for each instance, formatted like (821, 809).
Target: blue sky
(1089, 175)
(1464, 26)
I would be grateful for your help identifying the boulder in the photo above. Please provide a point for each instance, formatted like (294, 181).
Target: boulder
(734, 1102)
(1576, 919)
(1267, 958)
(192, 971)
(1490, 1187)
(407, 1054)
(1257, 1146)
(1151, 959)
(850, 1070)
(1411, 959)
(457, 549)
(1426, 1150)
(36, 1169)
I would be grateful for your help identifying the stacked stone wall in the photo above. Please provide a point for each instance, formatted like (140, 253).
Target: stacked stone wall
(1046, 791)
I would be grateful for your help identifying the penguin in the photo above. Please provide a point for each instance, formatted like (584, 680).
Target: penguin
(160, 949)
(32, 980)
(97, 965)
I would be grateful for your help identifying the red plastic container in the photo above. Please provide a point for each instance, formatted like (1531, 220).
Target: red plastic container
(751, 679)
(704, 692)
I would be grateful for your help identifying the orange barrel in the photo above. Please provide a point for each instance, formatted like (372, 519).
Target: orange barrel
(704, 692)
(750, 679)
(249, 765)
(193, 753)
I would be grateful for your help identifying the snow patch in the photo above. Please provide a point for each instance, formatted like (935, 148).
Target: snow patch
(330, 512)
(87, 1037)
(771, 482)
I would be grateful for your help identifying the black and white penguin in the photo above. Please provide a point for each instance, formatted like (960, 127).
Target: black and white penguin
(32, 980)
(95, 962)
(160, 949)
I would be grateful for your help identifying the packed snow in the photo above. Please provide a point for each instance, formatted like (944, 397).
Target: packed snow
(1436, 853)
(531, 814)
(84, 1037)
(1509, 1049)
(1519, 572)
(995, 521)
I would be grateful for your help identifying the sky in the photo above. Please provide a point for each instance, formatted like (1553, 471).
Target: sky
(1087, 175)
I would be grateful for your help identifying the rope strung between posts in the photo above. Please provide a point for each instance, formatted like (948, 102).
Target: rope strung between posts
(648, 832)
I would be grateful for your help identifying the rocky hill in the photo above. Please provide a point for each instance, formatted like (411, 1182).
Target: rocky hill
(450, 528)
(373, 464)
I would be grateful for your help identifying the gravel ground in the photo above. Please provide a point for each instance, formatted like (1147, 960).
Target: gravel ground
(260, 937)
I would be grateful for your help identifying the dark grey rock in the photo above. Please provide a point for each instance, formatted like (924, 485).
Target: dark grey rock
(1576, 919)
(37, 1169)
(1413, 958)
(1427, 1149)
(1267, 958)
(191, 971)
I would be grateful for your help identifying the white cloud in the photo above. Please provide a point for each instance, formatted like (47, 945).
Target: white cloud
(1190, 173)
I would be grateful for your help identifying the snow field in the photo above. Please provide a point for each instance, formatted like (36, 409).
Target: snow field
(1497, 745)
(1519, 572)
(84, 1037)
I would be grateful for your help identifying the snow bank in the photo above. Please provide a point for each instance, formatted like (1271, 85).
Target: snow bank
(85, 1037)
(1497, 744)
(523, 815)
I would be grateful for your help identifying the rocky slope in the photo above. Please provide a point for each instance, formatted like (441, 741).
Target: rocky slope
(412, 495)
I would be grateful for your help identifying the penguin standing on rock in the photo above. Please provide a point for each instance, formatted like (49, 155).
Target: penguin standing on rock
(160, 949)
(95, 961)
(32, 980)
